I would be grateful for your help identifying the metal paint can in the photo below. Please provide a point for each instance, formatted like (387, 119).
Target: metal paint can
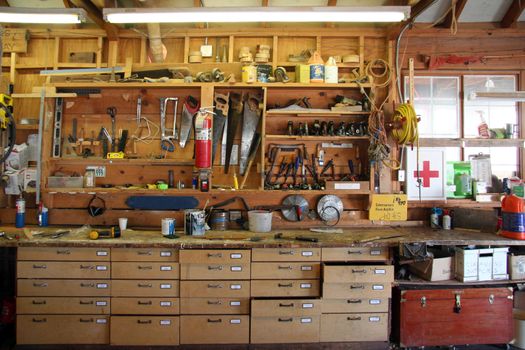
(194, 222)
(219, 220)
(168, 226)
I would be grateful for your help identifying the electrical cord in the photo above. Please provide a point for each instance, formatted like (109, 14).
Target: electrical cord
(405, 125)
(11, 126)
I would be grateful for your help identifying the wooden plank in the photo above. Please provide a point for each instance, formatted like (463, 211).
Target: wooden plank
(12, 68)
(95, 15)
(513, 13)
(15, 40)
(447, 22)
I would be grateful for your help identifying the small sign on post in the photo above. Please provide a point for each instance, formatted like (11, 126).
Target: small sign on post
(15, 40)
(388, 207)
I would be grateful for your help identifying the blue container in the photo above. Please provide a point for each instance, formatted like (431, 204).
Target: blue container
(20, 212)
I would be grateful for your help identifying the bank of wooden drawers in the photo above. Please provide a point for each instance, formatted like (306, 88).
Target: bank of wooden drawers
(354, 327)
(62, 329)
(285, 329)
(63, 254)
(58, 288)
(214, 271)
(209, 256)
(63, 269)
(358, 273)
(144, 330)
(357, 290)
(145, 288)
(215, 306)
(214, 329)
(145, 306)
(145, 254)
(362, 304)
(285, 288)
(286, 254)
(286, 307)
(356, 254)
(63, 305)
(215, 289)
(285, 270)
(144, 270)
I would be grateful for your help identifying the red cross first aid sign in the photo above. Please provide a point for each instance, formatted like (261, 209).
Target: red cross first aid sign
(429, 180)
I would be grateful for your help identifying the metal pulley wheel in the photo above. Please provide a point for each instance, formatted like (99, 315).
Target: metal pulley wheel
(300, 208)
(330, 209)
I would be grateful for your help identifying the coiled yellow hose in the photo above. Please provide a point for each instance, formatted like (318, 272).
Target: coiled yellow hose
(405, 125)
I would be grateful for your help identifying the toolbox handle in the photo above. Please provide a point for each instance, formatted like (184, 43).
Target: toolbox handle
(358, 271)
(86, 267)
(285, 305)
(63, 251)
(40, 285)
(145, 285)
(215, 285)
(285, 252)
(210, 320)
(281, 267)
(89, 302)
(39, 320)
(354, 301)
(144, 321)
(43, 266)
(86, 320)
(39, 302)
(287, 285)
(353, 318)
(285, 319)
(141, 267)
(216, 302)
(144, 302)
(219, 267)
(144, 252)
(214, 255)
(87, 285)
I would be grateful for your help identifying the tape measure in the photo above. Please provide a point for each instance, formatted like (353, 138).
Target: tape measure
(115, 155)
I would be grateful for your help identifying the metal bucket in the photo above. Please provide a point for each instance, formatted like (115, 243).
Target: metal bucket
(219, 220)
(194, 222)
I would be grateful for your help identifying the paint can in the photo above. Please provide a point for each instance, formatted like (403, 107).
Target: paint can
(249, 74)
(260, 220)
(168, 226)
(219, 220)
(194, 222)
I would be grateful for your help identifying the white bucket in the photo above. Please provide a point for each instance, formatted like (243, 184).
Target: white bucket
(260, 221)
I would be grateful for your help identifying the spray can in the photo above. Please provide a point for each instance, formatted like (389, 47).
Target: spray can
(447, 220)
(434, 218)
(20, 212)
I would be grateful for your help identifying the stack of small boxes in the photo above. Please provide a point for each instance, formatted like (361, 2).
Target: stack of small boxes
(481, 264)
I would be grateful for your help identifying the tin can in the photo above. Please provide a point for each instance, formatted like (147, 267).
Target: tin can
(168, 226)
(20, 212)
(219, 220)
(194, 222)
(249, 74)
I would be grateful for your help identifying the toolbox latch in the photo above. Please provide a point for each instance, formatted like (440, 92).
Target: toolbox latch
(423, 301)
(457, 306)
(491, 299)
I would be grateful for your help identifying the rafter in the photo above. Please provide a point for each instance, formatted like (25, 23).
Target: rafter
(4, 3)
(95, 15)
(419, 7)
(513, 13)
(447, 22)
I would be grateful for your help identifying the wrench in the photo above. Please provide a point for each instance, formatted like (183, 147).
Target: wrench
(166, 141)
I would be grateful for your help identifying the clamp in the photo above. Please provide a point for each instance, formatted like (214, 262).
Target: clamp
(166, 141)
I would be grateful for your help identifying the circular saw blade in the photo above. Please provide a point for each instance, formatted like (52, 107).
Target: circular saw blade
(329, 207)
(299, 202)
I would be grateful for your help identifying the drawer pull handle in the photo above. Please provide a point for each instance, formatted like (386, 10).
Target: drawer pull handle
(87, 285)
(211, 320)
(89, 302)
(217, 302)
(354, 318)
(64, 251)
(142, 252)
(86, 320)
(214, 255)
(39, 320)
(354, 301)
(145, 267)
(285, 305)
(39, 266)
(144, 302)
(285, 252)
(87, 267)
(355, 252)
(357, 287)
(40, 285)
(215, 267)
(144, 321)
(288, 285)
(145, 285)
(285, 319)
(215, 286)
(285, 267)
(39, 302)
(358, 271)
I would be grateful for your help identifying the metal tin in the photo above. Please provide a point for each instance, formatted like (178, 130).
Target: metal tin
(194, 222)
(219, 220)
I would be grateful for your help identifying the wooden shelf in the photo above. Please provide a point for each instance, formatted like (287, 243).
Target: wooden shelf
(198, 85)
(317, 138)
(470, 142)
(315, 112)
(27, 126)
(453, 203)
(94, 161)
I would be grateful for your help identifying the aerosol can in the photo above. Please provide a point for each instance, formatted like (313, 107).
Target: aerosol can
(20, 211)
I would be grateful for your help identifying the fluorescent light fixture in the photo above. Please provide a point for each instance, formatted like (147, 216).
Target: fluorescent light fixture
(257, 14)
(516, 96)
(41, 15)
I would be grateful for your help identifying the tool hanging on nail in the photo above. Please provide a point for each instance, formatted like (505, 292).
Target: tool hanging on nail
(166, 141)
(189, 110)
(219, 119)
(112, 111)
(250, 122)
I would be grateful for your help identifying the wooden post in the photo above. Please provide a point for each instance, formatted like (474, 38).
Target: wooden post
(112, 53)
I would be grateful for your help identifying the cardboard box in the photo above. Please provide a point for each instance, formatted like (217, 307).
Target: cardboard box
(30, 179)
(18, 158)
(484, 264)
(15, 181)
(516, 264)
(302, 73)
(440, 268)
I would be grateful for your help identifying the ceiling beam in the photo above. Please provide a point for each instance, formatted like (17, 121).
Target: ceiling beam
(513, 13)
(331, 3)
(420, 7)
(4, 3)
(67, 4)
(95, 15)
(447, 22)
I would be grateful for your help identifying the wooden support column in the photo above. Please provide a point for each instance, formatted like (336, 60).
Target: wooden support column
(197, 3)
(331, 3)
(112, 53)
(264, 3)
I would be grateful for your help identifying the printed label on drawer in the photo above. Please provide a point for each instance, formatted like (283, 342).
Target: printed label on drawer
(307, 253)
(306, 285)
(235, 286)
(308, 306)
(102, 253)
(102, 268)
(166, 268)
(102, 320)
(306, 320)
(235, 303)
(235, 256)
(306, 268)
(101, 303)
(378, 287)
(375, 252)
(165, 286)
(235, 321)
(374, 319)
(380, 271)
(165, 303)
(165, 253)
(102, 285)
(165, 322)
(236, 268)
(374, 301)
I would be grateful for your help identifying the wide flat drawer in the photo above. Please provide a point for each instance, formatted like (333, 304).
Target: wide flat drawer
(285, 270)
(211, 256)
(145, 254)
(286, 307)
(217, 289)
(285, 288)
(285, 329)
(286, 254)
(357, 290)
(63, 288)
(145, 306)
(145, 270)
(63, 269)
(215, 306)
(64, 253)
(356, 254)
(355, 305)
(145, 288)
(65, 305)
(358, 273)
(211, 271)
(144, 330)
(62, 329)
(214, 329)
(354, 327)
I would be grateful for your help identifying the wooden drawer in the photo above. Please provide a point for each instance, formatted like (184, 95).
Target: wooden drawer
(286, 254)
(215, 289)
(356, 254)
(145, 254)
(145, 306)
(61, 329)
(66, 305)
(145, 270)
(285, 329)
(63, 269)
(145, 288)
(210, 271)
(285, 270)
(355, 305)
(215, 306)
(357, 290)
(354, 327)
(64, 253)
(214, 329)
(63, 288)
(210, 256)
(286, 307)
(144, 330)
(285, 288)
(358, 273)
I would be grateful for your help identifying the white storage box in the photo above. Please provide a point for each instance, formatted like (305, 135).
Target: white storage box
(15, 182)
(499, 264)
(466, 264)
(483, 264)
(18, 158)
